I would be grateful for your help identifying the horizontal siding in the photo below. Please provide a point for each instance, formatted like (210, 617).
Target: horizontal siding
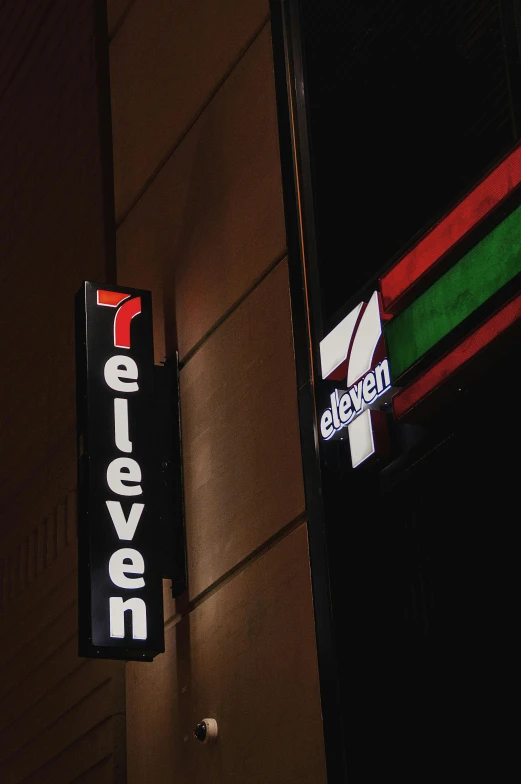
(100, 773)
(67, 730)
(79, 757)
(38, 683)
(51, 700)
(31, 556)
(49, 697)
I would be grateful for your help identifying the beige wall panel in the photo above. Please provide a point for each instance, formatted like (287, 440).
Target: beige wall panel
(95, 747)
(212, 220)
(166, 62)
(93, 710)
(72, 689)
(76, 723)
(245, 656)
(154, 735)
(241, 447)
(115, 10)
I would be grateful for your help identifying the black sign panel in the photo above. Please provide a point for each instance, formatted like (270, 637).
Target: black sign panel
(120, 587)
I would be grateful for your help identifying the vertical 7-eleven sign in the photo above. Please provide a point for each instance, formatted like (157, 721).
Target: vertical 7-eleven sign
(444, 309)
(354, 354)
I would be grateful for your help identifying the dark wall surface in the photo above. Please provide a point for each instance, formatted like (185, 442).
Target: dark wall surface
(408, 106)
(61, 717)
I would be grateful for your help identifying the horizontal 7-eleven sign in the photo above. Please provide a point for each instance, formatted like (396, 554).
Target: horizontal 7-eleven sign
(444, 310)
(354, 353)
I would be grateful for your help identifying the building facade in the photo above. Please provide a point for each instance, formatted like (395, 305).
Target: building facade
(262, 169)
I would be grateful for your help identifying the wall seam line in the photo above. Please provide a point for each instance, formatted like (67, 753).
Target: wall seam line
(93, 767)
(66, 748)
(42, 662)
(53, 688)
(57, 720)
(251, 558)
(238, 302)
(121, 21)
(150, 179)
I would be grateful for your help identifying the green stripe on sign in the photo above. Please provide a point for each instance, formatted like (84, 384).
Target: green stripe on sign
(455, 296)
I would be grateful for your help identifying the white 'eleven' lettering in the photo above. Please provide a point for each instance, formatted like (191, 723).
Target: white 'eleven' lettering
(347, 354)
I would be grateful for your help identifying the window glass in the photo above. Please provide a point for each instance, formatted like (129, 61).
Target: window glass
(409, 105)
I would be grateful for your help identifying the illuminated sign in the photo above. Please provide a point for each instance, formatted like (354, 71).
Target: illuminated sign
(446, 304)
(354, 353)
(120, 585)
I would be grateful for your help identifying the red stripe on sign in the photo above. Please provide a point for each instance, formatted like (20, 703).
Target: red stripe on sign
(122, 322)
(426, 388)
(111, 298)
(411, 268)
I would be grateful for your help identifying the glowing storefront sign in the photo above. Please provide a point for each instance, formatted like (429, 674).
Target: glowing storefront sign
(354, 352)
(120, 588)
(445, 302)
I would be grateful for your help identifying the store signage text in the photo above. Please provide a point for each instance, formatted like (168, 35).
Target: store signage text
(353, 353)
(121, 612)
(346, 405)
